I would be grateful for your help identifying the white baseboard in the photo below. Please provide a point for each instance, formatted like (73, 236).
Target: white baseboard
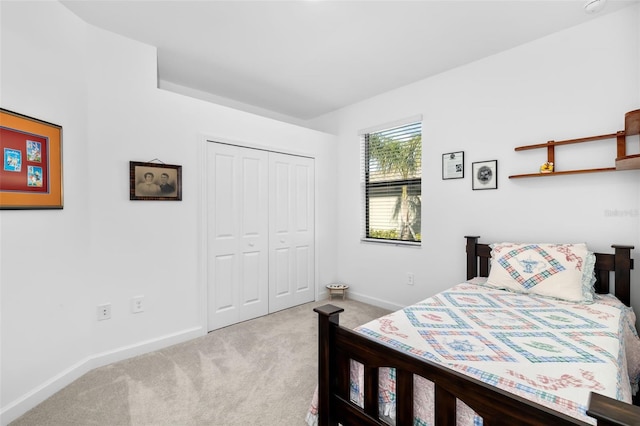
(15, 409)
(365, 299)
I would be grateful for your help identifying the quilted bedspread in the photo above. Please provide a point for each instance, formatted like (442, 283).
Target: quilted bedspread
(548, 351)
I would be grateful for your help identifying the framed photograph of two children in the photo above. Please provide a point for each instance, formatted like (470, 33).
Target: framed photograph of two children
(155, 182)
(31, 172)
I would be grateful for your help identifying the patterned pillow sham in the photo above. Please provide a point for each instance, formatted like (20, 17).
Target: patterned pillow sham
(560, 271)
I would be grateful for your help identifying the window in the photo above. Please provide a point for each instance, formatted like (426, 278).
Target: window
(392, 177)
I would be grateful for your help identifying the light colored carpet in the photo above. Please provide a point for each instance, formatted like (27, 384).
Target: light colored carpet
(259, 372)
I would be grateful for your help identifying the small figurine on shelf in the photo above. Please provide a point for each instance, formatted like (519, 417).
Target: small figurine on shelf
(546, 168)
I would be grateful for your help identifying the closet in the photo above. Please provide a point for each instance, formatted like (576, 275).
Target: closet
(260, 232)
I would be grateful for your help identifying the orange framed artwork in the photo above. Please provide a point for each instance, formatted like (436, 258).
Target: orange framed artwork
(31, 172)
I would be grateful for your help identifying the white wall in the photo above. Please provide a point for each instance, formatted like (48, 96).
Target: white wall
(57, 266)
(44, 289)
(575, 83)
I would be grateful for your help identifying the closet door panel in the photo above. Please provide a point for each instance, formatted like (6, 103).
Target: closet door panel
(238, 234)
(292, 236)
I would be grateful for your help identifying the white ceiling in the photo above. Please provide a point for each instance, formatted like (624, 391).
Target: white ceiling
(305, 58)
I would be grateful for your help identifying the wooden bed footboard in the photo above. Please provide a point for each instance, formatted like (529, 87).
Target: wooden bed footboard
(339, 345)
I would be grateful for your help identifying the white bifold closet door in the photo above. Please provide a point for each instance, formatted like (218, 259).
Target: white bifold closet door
(291, 231)
(260, 224)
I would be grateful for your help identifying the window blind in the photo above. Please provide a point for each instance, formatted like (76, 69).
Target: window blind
(392, 186)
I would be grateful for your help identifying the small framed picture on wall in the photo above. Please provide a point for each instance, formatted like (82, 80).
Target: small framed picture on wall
(485, 175)
(155, 182)
(453, 165)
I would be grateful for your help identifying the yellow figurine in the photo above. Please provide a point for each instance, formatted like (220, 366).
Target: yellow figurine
(546, 167)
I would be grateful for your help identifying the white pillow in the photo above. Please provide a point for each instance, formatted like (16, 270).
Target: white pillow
(560, 271)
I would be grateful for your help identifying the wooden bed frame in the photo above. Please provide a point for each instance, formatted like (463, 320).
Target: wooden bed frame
(339, 345)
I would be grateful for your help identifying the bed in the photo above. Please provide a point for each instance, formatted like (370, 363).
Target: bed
(582, 356)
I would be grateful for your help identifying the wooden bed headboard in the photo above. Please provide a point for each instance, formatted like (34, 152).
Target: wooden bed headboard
(620, 263)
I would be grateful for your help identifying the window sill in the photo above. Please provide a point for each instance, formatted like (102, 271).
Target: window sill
(398, 243)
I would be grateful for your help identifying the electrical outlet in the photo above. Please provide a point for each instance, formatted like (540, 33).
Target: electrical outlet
(104, 311)
(410, 278)
(137, 304)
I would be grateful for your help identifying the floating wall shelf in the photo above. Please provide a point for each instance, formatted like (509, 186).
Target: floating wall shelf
(623, 161)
